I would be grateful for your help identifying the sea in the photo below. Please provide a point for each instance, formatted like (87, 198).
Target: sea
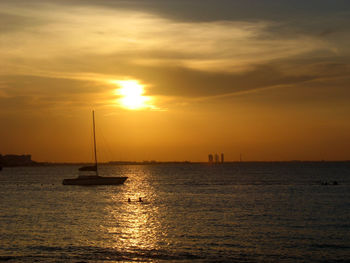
(234, 212)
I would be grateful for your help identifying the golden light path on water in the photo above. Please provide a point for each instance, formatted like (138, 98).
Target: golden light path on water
(134, 226)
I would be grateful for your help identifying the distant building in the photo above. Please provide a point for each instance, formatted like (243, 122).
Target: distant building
(216, 158)
(222, 158)
(210, 158)
(16, 160)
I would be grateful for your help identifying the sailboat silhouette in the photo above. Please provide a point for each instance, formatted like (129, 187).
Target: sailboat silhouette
(94, 179)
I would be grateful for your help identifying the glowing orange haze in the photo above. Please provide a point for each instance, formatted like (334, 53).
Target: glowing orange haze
(176, 134)
(165, 89)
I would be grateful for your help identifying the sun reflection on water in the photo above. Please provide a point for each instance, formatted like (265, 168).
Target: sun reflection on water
(134, 225)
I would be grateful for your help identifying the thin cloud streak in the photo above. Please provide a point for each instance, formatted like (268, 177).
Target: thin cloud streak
(214, 46)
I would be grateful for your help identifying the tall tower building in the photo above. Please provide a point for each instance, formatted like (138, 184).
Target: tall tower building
(216, 158)
(210, 158)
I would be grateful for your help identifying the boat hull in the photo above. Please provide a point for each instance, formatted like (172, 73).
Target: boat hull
(95, 181)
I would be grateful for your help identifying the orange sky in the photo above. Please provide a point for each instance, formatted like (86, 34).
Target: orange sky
(175, 81)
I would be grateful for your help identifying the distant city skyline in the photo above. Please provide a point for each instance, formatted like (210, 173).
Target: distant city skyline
(215, 159)
(175, 80)
(25, 160)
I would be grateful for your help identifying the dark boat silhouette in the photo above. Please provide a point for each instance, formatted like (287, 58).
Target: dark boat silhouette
(93, 179)
(88, 168)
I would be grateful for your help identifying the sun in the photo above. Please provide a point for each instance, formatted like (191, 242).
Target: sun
(131, 95)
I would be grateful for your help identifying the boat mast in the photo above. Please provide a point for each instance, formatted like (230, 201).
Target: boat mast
(93, 124)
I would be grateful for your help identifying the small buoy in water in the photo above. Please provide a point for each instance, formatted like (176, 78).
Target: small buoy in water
(140, 200)
(129, 200)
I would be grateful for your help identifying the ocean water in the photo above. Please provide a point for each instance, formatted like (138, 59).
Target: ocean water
(244, 212)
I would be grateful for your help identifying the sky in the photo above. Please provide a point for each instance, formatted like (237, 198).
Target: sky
(175, 80)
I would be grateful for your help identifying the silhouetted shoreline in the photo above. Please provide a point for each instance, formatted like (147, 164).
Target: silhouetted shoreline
(13, 160)
(34, 163)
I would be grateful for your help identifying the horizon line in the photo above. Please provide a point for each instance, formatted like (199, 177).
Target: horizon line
(183, 162)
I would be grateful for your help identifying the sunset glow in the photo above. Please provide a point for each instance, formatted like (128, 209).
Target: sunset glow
(206, 131)
(132, 95)
(176, 79)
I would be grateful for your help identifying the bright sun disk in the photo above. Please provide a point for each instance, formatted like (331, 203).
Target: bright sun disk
(131, 92)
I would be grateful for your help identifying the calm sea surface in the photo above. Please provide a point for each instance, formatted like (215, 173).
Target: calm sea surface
(248, 212)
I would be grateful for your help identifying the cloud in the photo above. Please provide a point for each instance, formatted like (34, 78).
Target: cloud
(79, 47)
(10, 23)
(22, 93)
(263, 72)
(150, 40)
(212, 10)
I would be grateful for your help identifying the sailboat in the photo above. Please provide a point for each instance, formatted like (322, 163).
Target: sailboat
(95, 178)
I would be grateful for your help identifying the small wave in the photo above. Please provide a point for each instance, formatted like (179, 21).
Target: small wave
(7, 258)
(333, 246)
(45, 248)
(88, 254)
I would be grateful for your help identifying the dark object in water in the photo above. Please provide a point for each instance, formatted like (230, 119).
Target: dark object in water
(328, 183)
(94, 180)
(88, 168)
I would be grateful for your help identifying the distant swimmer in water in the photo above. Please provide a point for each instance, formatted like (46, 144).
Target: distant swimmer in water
(129, 200)
(140, 199)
